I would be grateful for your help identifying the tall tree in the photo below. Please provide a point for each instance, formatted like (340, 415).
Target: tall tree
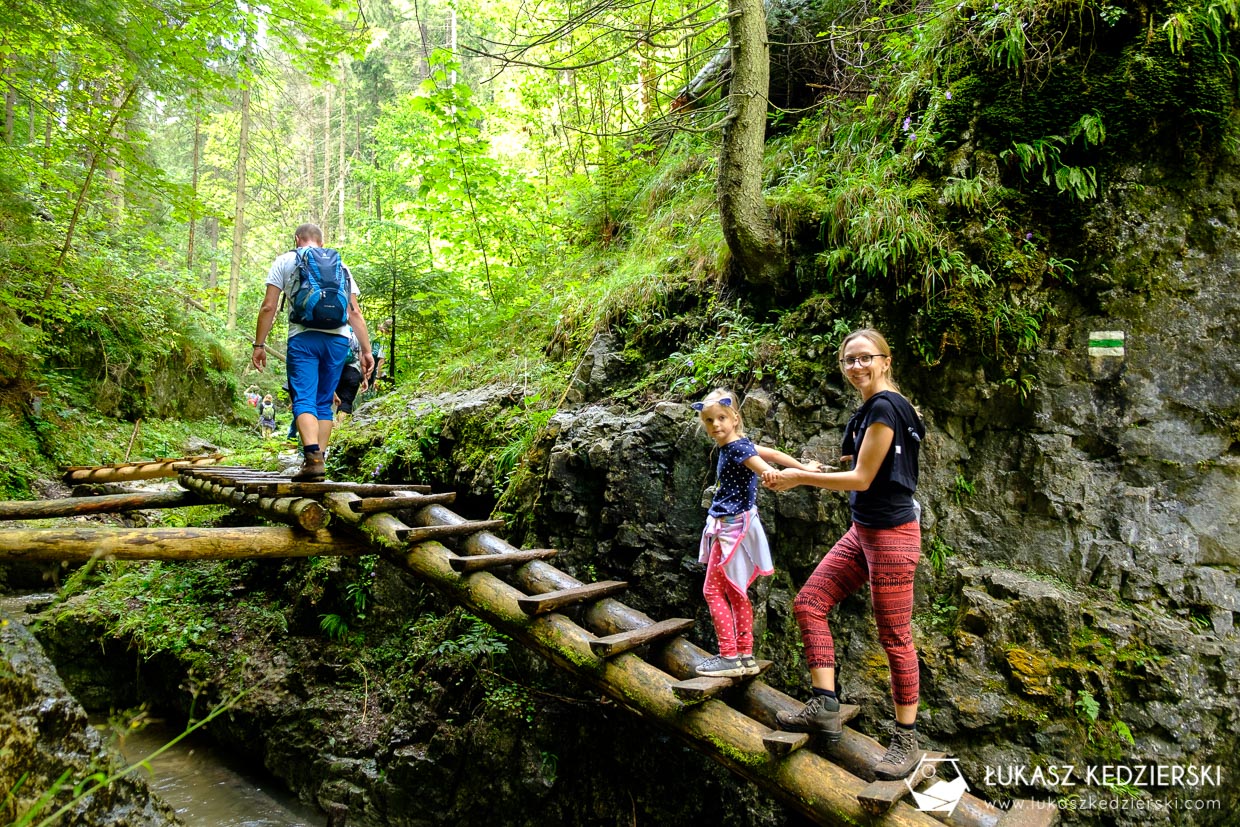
(756, 245)
(196, 157)
(238, 246)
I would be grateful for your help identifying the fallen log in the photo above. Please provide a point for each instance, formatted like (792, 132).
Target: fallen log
(77, 545)
(130, 471)
(105, 504)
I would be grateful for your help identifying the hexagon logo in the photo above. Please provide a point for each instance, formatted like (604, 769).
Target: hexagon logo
(942, 796)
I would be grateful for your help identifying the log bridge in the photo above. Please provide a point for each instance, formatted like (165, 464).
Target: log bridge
(643, 665)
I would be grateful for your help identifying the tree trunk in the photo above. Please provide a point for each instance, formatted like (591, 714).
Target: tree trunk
(10, 104)
(325, 210)
(82, 544)
(105, 504)
(213, 270)
(342, 173)
(193, 204)
(757, 249)
(238, 246)
(104, 136)
(148, 470)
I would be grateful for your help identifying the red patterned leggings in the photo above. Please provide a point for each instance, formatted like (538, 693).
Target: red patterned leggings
(887, 559)
(730, 609)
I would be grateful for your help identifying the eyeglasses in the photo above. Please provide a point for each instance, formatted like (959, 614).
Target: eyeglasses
(862, 359)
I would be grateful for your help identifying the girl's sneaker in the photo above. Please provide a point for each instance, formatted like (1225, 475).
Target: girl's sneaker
(717, 666)
(750, 664)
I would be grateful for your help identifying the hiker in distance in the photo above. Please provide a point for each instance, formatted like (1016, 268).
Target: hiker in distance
(322, 302)
(882, 441)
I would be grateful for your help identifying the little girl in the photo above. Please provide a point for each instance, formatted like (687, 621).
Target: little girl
(734, 546)
(267, 416)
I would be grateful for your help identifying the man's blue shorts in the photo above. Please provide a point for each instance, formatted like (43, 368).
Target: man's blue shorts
(315, 360)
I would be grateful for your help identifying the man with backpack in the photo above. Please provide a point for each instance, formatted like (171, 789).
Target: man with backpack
(322, 300)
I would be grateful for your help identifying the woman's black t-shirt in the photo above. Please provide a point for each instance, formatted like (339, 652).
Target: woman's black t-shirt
(888, 502)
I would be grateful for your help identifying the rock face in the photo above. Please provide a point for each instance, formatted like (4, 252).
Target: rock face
(46, 742)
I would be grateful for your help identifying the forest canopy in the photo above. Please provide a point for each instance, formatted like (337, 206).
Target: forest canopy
(507, 181)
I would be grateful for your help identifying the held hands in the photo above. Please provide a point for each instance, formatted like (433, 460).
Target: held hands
(777, 480)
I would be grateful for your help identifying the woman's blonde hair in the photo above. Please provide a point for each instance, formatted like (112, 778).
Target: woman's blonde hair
(879, 342)
(718, 397)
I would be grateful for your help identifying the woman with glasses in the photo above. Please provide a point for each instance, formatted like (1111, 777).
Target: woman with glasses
(882, 442)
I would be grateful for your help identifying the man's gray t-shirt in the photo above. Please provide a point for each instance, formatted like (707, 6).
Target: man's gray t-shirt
(281, 275)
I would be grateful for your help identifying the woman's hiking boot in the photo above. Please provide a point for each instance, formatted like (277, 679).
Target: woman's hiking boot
(821, 715)
(901, 757)
(717, 666)
(312, 468)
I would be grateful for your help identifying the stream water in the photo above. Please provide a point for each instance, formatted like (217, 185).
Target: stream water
(207, 788)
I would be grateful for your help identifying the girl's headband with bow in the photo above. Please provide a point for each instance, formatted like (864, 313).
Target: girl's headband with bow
(725, 401)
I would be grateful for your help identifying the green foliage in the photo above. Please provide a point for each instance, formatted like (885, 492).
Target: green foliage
(1087, 708)
(525, 422)
(943, 613)
(962, 489)
(1043, 154)
(478, 645)
(510, 700)
(406, 450)
(334, 626)
(938, 550)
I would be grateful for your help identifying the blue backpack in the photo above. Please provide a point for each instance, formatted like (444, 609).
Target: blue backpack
(321, 293)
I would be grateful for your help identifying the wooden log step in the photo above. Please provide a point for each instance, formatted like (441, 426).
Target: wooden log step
(606, 647)
(102, 504)
(308, 489)
(880, 796)
(1024, 812)
(481, 562)
(696, 690)
(376, 505)
(438, 532)
(781, 742)
(550, 601)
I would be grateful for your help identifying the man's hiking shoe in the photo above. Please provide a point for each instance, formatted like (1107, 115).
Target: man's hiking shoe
(312, 468)
(717, 666)
(750, 664)
(902, 756)
(821, 715)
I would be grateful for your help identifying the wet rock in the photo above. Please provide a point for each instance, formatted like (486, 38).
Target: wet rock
(45, 734)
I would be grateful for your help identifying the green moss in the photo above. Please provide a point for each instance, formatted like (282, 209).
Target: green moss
(735, 754)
